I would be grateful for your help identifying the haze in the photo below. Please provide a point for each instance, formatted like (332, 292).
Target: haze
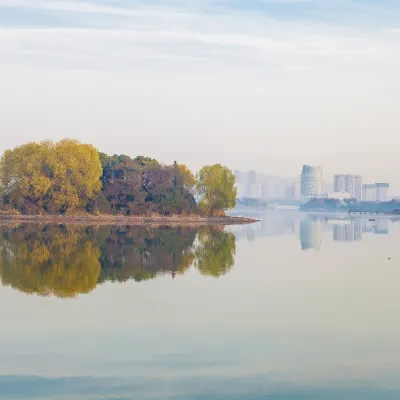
(254, 84)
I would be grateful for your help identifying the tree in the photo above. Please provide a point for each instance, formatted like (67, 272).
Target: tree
(188, 180)
(142, 185)
(76, 175)
(216, 188)
(50, 177)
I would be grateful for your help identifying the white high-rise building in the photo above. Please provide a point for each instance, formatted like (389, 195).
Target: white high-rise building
(369, 192)
(382, 191)
(357, 189)
(349, 184)
(339, 183)
(311, 181)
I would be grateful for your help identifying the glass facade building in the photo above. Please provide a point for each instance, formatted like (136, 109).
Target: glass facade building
(311, 181)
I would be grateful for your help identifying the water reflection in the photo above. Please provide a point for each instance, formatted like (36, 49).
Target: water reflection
(311, 228)
(310, 234)
(282, 324)
(65, 261)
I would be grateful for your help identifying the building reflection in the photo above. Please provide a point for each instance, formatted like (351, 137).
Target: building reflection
(349, 231)
(310, 233)
(311, 228)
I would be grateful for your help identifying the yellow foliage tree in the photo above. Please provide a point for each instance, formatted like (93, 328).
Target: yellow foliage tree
(216, 188)
(189, 180)
(53, 177)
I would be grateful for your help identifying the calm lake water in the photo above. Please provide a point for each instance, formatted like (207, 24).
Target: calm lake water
(293, 307)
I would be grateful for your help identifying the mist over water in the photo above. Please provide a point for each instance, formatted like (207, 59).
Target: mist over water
(296, 306)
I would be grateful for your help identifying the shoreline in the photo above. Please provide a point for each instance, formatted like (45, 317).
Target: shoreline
(129, 220)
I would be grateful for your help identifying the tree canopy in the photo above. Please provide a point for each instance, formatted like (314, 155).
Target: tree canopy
(69, 177)
(216, 188)
(50, 177)
(141, 185)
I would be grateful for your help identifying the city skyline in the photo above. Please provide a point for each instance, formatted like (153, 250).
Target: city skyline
(253, 184)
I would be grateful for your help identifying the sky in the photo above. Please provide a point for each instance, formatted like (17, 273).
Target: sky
(267, 85)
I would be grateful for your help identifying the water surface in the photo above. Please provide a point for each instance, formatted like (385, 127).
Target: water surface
(294, 307)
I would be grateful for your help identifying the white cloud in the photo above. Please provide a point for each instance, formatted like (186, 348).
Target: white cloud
(270, 91)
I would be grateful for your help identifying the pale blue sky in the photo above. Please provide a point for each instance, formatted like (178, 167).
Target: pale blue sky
(256, 84)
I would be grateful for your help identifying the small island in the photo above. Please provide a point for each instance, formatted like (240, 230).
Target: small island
(71, 182)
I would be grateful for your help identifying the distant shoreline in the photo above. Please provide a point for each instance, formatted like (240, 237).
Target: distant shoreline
(129, 220)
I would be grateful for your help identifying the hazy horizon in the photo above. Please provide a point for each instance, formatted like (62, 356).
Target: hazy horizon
(265, 85)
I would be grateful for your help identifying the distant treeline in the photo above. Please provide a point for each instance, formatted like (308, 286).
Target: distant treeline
(351, 205)
(68, 177)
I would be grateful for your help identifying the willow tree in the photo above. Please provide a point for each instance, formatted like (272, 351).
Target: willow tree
(216, 188)
(50, 177)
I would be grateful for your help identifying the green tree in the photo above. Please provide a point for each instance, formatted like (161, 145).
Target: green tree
(216, 188)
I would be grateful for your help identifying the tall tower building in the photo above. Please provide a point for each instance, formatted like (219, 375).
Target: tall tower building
(311, 181)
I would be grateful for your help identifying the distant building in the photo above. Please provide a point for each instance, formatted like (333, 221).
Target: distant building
(382, 191)
(358, 182)
(349, 183)
(265, 191)
(290, 191)
(339, 183)
(238, 176)
(376, 192)
(251, 180)
(256, 191)
(240, 190)
(311, 181)
(297, 188)
(368, 192)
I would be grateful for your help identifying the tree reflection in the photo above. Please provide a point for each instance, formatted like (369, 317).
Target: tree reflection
(49, 260)
(141, 253)
(64, 261)
(215, 254)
